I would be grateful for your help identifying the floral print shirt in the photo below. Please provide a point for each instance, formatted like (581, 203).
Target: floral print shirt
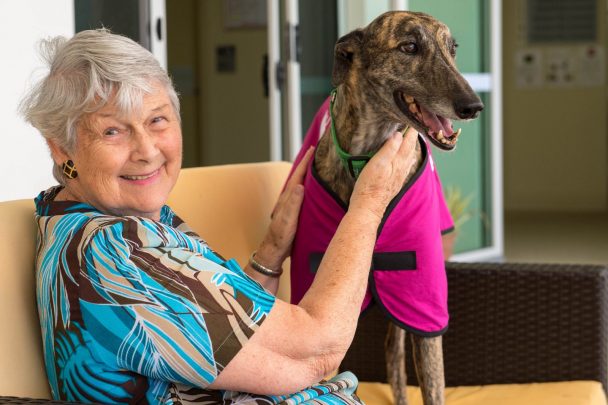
(140, 311)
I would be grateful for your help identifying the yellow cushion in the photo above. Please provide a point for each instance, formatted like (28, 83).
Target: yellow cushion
(554, 393)
(22, 370)
(230, 206)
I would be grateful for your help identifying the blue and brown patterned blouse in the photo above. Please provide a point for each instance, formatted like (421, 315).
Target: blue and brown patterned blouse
(140, 311)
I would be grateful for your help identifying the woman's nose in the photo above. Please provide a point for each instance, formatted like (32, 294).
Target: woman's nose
(144, 145)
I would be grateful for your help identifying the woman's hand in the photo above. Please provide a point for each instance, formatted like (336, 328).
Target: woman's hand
(384, 175)
(276, 245)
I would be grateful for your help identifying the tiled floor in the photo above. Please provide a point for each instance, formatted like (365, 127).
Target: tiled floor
(556, 238)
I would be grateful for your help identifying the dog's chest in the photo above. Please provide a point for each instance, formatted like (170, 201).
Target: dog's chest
(408, 249)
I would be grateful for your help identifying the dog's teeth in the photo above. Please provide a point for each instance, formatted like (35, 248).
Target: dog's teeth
(440, 135)
(409, 99)
(457, 133)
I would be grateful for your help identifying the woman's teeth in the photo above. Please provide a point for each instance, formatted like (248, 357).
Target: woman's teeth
(147, 176)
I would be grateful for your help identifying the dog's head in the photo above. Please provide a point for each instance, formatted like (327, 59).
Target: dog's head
(404, 64)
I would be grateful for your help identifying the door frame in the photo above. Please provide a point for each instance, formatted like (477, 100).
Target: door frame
(484, 82)
(492, 82)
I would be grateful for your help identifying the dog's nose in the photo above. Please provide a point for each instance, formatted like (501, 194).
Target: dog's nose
(468, 110)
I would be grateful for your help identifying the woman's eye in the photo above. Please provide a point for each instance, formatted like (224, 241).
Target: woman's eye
(158, 119)
(409, 48)
(111, 131)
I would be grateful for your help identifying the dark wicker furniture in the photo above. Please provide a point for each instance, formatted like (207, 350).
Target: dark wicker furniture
(509, 323)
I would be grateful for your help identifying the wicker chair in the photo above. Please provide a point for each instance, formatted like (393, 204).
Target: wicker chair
(509, 323)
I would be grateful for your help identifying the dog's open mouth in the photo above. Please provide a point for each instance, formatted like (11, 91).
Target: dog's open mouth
(437, 128)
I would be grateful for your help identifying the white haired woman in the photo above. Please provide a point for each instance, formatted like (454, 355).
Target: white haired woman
(134, 306)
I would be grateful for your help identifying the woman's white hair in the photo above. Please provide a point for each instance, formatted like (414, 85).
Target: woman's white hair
(86, 72)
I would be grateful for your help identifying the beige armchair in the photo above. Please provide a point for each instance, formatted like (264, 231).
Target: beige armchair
(230, 207)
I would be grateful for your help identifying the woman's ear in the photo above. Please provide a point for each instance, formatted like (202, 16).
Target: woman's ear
(345, 51)
(57, 153)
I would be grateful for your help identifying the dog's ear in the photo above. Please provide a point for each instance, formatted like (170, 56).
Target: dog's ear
(345, 51)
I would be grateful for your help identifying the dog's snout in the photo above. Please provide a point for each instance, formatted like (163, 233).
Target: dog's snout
(469, 109)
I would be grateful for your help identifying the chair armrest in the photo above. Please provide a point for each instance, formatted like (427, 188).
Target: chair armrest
(509, 323)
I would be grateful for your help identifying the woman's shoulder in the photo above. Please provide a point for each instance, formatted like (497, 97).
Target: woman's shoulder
(61, 220)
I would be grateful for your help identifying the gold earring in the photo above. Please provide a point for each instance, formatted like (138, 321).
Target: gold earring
(69, 169)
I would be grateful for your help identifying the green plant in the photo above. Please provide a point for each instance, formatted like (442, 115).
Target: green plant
(458, 205)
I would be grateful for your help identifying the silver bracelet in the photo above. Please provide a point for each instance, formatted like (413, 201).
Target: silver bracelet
(263, 269)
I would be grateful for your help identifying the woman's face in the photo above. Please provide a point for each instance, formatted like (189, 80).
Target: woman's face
(127, 165)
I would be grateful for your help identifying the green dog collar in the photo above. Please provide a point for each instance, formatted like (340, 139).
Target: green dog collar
(354, 164)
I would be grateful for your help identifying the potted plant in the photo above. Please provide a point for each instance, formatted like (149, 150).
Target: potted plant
(458, 205)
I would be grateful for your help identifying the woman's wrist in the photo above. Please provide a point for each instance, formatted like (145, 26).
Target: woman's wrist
(365, 215)
(260, 268)
(269, 257)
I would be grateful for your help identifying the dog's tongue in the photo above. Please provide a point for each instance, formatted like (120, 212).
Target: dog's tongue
(436, 122)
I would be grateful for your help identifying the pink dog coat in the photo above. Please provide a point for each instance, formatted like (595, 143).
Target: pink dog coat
(408, 277)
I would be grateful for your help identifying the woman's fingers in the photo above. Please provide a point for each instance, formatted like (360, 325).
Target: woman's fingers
(400, 143)
(297, 177)
(407, 149)
(390, 147)
(385, 173)
(284, 217)
(409, 139)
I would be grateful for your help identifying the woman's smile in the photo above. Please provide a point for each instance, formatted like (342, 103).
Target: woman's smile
(142, 179)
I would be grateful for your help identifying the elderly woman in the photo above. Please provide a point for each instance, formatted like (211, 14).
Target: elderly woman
(134, 306)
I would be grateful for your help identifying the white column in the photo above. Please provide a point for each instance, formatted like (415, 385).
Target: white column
(294, 107)
(399, 5)
(496, 105)
(274, 91)
(158, 31)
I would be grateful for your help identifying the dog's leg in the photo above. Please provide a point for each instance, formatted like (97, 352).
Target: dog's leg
(428, 359)
(394, 348)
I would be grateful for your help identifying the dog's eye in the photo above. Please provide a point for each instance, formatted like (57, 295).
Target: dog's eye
(453, 49)
(409, 47)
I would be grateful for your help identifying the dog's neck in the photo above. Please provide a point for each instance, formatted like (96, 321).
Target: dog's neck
(360, 130)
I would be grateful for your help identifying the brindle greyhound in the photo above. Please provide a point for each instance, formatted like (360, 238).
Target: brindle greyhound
(398, 71)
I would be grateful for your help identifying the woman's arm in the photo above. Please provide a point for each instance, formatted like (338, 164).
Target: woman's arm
(297, 345)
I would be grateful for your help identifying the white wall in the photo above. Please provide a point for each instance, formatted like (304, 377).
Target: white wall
(25, 165)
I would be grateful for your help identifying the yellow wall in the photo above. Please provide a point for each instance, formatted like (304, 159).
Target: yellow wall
(555, 139)
(233, 111)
